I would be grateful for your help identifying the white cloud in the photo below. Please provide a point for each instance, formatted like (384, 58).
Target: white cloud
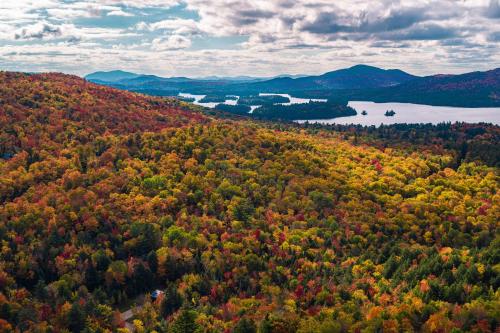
(319, 22)
(176, 26)
(293, 36)
(40, 30)
(173, 42)
(119, 12)
(17, 10)
(47, 31)
(140, 3)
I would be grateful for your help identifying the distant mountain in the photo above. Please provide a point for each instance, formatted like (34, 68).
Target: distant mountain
(152, 79)
(357, 77)
(361, 77)
(112, 76)
(361, 82)
(242, 78)
(470, 89)
(293, 76)
(133, 78)
(476, 89)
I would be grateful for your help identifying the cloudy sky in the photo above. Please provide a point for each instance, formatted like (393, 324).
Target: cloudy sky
(248, 37)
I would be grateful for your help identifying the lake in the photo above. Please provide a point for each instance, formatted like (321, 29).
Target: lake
(405, 112)
(413, 114)
(293, 100)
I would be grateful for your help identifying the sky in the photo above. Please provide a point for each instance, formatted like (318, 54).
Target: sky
(198, 38)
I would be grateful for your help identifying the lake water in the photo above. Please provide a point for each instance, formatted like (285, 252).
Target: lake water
(293, 100)
(413, 114)
(405, 112)
(197, 99)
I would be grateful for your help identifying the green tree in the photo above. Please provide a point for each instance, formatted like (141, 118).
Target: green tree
(76, 318)
(171, 301)
(185, 323)
(245, 325)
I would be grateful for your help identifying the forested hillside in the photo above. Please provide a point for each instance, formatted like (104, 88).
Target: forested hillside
(49, 111)
(475, 89)
(247, 226)
(356, 77)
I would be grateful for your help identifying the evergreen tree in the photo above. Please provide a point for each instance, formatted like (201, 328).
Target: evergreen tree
(185, 323)
(171, 302)
(76, 318)
(245, 325)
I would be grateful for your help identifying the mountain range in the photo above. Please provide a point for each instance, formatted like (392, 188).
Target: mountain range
(360, 82)
(476, 89)
(124, 77)
(357, 77)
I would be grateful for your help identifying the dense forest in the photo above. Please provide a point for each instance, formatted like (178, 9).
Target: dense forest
(465, 142)
(238, 109)
(217, 98)
(263, 100)
(304, 111)
(247, 226)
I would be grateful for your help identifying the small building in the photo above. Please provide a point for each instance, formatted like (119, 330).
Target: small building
(156, 294)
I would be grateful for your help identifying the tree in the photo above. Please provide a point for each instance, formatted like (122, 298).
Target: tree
(116, 273)
(171, 301)
(185, 322)
(76, 318)
(245, 325)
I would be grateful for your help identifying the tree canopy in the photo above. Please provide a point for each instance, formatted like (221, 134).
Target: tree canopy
(247, 226)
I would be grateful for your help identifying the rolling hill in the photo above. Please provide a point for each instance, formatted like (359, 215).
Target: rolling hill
(467, 90)
(361, 82)
(111, 76)
(54, 109)
(357, 77)
(476, 89)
